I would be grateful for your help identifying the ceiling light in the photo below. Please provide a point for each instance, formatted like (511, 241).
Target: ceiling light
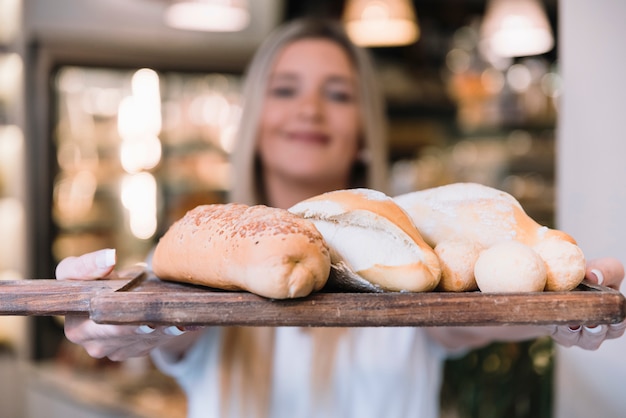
(381, 22)
(516, 28)
(208, 15)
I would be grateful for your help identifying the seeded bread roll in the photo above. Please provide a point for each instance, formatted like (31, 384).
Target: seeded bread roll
(259, 249)
(485, 216)
(371, 235)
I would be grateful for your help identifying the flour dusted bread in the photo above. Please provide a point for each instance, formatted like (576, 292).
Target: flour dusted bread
(476, 215)
(263, 250)
(565, 263)
(457, 258)
(510, 266)
(371, 235)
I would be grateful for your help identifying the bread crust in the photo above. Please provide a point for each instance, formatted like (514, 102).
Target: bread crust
(263, 250)
(383, 231)
(510, 266)
(457, 258)
(487, 216)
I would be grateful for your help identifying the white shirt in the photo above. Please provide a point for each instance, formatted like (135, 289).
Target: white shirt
(379, 372)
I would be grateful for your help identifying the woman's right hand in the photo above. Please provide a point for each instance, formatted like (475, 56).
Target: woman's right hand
(117, 342)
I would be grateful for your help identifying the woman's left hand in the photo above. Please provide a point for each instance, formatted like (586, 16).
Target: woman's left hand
(607, 272)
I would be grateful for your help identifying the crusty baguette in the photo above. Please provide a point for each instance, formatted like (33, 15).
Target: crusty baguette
(483, 216)
(263, 250)
(369, 234)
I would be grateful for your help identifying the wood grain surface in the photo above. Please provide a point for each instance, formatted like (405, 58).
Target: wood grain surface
(51, 297)
(156, 302)
(148, 300)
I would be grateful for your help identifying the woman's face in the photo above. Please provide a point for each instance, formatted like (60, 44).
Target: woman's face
(309, 127)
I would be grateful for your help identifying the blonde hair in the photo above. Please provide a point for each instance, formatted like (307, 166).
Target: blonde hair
(246, 172)
(247, 353)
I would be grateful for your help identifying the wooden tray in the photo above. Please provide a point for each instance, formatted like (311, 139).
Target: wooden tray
(148, 300)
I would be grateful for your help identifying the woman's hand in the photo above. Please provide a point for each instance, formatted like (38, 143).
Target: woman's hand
(607, 272)
(117, 342)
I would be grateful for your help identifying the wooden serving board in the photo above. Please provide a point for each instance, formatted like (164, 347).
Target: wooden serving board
(148, 300)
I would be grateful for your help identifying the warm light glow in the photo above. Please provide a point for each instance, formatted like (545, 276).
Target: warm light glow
(12, 231)
(516, 28)
(229, 131)
(100, 101)
(458, 60)
(11, 159)
(140, 153)
(139, 123)
(129, 118)
(227, 138)
(210, 109)
(10, 275)
(381, 22)
(9, 20)
(551, 85)
(519, 78)
(139, 196)
(10, 75)
(209, 15)
(74, 195)
(141, 112)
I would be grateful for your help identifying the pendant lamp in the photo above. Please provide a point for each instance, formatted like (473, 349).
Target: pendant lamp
(208, 15)
(516, 28)
(377, 23)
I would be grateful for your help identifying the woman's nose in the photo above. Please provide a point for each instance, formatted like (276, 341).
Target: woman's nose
(311, 106)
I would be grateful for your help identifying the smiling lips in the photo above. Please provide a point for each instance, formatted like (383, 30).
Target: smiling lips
(309, 137)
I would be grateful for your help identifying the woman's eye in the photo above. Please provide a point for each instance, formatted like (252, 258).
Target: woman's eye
(282, 92)
(340, 96)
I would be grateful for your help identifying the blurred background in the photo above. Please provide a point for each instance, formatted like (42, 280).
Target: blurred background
(117, 116)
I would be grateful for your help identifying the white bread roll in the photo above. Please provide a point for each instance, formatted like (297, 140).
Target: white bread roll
(510, 266)
(457, 258)
(565, 263)
(487, 216)
(371, 235)
(263, 250)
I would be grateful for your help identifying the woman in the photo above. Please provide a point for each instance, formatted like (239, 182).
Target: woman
(313, 122)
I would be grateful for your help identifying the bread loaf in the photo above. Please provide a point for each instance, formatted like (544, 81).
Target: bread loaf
(263, 250)
(371, 235)
(483, 216)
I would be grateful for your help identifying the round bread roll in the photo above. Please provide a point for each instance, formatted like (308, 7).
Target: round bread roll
(510, 266)
(565, 264)
(367, 231)
(263, 250)
(487, 216)
(457, 260)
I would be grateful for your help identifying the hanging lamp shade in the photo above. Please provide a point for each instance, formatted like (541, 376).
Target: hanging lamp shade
(376, 23)
(516, 28)
(208, 15)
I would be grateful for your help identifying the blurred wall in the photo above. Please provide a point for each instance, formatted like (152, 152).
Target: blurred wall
(136, 29)
(591, 176)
